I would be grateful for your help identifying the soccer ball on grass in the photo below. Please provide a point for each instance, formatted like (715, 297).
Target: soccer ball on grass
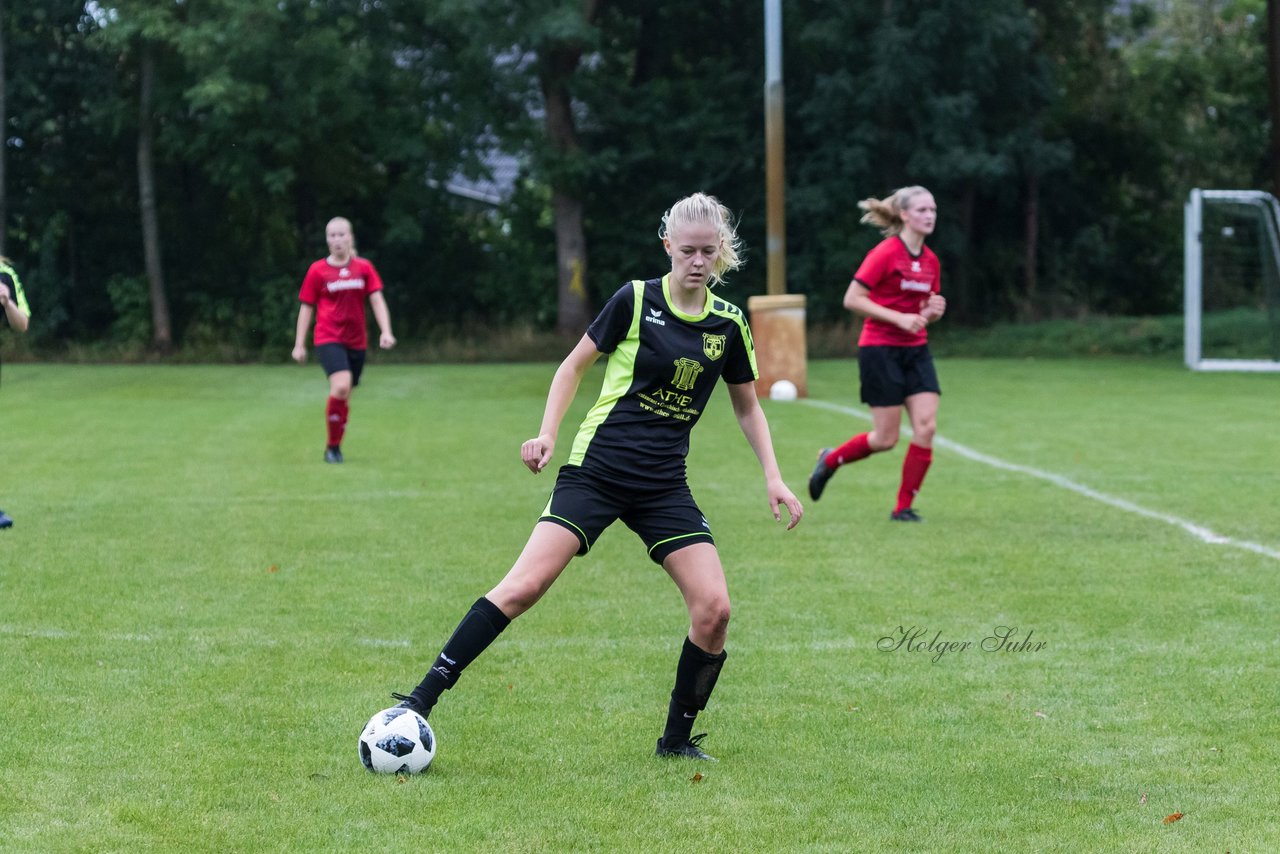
(397, 741)
(783, 390)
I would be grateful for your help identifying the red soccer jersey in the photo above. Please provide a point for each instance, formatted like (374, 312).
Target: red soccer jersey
(338, 294)
(900, 281)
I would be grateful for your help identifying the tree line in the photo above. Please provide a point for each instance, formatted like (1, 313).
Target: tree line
(168, 165)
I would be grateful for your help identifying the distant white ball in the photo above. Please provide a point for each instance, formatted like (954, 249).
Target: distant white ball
(397, 741)
(783, 390)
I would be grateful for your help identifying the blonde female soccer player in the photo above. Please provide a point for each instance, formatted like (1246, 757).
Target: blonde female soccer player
(669, 340)
(896, 289)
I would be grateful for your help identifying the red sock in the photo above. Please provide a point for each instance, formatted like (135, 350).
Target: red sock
(913, 470)
(336, 418)
(850, 452)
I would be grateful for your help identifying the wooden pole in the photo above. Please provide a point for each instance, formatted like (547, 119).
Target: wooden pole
(775, 198)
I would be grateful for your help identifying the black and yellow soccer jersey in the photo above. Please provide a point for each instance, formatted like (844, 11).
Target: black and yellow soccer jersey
(9, 281)
(663, 366)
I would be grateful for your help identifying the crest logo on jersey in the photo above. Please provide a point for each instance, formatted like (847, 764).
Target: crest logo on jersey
(687, 371)
(713, 345)
(915, 266)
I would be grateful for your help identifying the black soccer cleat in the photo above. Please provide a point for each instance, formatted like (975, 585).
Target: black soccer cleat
(686, 748)
(821, 474)
(5, 521)
(333, 455)
(407, 702)
(906, 514)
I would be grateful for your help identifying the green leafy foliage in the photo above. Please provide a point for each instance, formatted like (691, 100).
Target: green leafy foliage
(1082, 122)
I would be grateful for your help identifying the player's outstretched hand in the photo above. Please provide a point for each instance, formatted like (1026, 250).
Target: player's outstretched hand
(536, 453)
(779, 497)
(300, 355)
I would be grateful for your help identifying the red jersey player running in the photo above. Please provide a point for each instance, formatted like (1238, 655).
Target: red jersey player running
(334, 291)
(896, 290)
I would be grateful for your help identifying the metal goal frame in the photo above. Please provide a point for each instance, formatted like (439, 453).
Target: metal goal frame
(1193, 272)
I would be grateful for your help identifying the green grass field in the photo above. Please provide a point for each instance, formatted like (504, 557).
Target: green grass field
(197, 616)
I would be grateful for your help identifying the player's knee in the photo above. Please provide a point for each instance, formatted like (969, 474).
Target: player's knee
(526, 594)
(514, 596)
(713, 617)
(924, 431)
(885, 442)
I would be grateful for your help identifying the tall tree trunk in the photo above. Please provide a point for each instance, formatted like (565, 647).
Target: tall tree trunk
(4, 136)
(558, 63)
(1030, 232)
(1273, 86)
(572, 306)
(161, 330)
(571, 241)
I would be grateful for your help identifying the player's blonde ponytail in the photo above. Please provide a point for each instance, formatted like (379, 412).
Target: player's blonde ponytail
(884, 213)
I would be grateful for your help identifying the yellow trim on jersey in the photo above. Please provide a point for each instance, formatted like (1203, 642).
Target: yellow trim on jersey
(19, 296)
(731, 311)
(666, 295)
(618, 375)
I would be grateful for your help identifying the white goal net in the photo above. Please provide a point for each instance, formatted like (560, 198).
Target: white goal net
(1232, 280)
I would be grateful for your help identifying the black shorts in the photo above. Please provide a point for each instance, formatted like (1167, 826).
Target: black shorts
(666, 519)
(892, 374)
(339, 357)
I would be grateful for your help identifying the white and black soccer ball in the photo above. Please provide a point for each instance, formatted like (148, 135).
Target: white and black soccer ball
(397, 741)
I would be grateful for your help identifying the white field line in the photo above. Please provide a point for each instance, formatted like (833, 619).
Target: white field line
(1198, 531)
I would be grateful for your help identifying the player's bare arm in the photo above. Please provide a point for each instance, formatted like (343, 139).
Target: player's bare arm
(383, 317)
(305, 315)
(537, 452)
(858, 300)
(754, 425)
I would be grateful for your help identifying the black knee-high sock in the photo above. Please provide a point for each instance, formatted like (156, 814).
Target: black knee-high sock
(696, 676)
(482, 624)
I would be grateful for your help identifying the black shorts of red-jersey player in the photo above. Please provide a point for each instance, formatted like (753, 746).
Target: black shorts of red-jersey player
(339, 357)
(889, 375)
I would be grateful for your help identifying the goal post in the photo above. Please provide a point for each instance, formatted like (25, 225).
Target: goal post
(1231, 277)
